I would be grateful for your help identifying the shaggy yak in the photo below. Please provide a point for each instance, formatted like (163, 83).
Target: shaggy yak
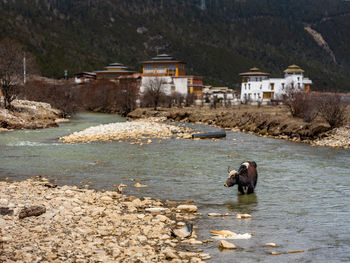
(246, 177)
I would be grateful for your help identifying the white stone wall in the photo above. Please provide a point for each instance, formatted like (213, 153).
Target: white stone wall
(177, 84)
(181, 85)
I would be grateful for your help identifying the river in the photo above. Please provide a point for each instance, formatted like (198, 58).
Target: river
(302, 199)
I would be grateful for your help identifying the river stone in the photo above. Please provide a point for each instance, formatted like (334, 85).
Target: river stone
(226, 245)
(275, 253)
(205, 256)
(6, 211)
(138, 185)
(214, 214)
(239, 216)
(4, 201)
(187, 208)
(270, 245)
(161, 218)
(170, 253)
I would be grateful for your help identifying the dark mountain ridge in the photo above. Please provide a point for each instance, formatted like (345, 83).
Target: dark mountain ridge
(219, 41)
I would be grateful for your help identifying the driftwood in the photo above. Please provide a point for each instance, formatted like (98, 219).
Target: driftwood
(31, 211)
(6, 211)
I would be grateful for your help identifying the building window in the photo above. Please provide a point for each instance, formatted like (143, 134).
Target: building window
(282, 86)
(272, 86)
(260, 86)
(245, 86)
(112, 76)
(249, 86)
(171, 69)
(298, 78)
(149, 68)
(161, 68)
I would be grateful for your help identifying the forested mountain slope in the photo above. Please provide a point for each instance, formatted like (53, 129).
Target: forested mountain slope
(218, 40)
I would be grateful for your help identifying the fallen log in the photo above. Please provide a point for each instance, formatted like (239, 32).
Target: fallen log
(209, 135)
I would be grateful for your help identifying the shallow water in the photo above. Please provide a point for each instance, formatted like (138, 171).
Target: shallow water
(302, 199)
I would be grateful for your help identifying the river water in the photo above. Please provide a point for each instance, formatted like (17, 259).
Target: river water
(302, 199)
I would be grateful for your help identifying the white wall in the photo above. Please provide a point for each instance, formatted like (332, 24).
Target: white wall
(179, 84)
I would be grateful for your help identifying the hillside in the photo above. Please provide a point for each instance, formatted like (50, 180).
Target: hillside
(218, 40)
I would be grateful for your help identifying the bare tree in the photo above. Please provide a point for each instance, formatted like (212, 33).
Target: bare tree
(190, 99)
(332, 109)
(154, 92)
(11, 59)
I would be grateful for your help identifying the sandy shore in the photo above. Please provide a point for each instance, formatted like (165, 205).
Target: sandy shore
(82, 225)
(135, 132)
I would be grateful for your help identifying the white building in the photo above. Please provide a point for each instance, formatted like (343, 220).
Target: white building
(221, 93)
(258, 86)
(172, 73)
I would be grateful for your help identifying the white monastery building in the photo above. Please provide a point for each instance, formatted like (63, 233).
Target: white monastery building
(258, 86)
(172, 73)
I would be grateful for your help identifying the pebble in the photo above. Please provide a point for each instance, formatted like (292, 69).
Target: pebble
(138, 185)
(270, 245)
(239, 216)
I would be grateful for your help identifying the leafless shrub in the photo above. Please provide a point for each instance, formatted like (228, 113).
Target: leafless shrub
(11, 59)
(190, 99)
(11, 69)
(300, 104)
(177, 99)
(332, 109)
(126, 95)
(61, 96)
(101, 96)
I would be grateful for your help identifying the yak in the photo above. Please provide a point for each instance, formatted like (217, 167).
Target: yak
(246, 177)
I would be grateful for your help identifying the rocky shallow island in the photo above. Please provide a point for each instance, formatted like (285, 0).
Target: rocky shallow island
(42, 222)
(135, 132)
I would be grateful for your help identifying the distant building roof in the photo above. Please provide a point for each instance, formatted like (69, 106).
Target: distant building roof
(92, 74)
(114, 71)
(294, 69)
(254, 72)
(162, 58)
(115, 68)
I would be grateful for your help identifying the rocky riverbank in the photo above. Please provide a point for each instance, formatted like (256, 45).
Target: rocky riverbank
(42, 222)
(269, 121)
(29, 115)
(136, 132)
